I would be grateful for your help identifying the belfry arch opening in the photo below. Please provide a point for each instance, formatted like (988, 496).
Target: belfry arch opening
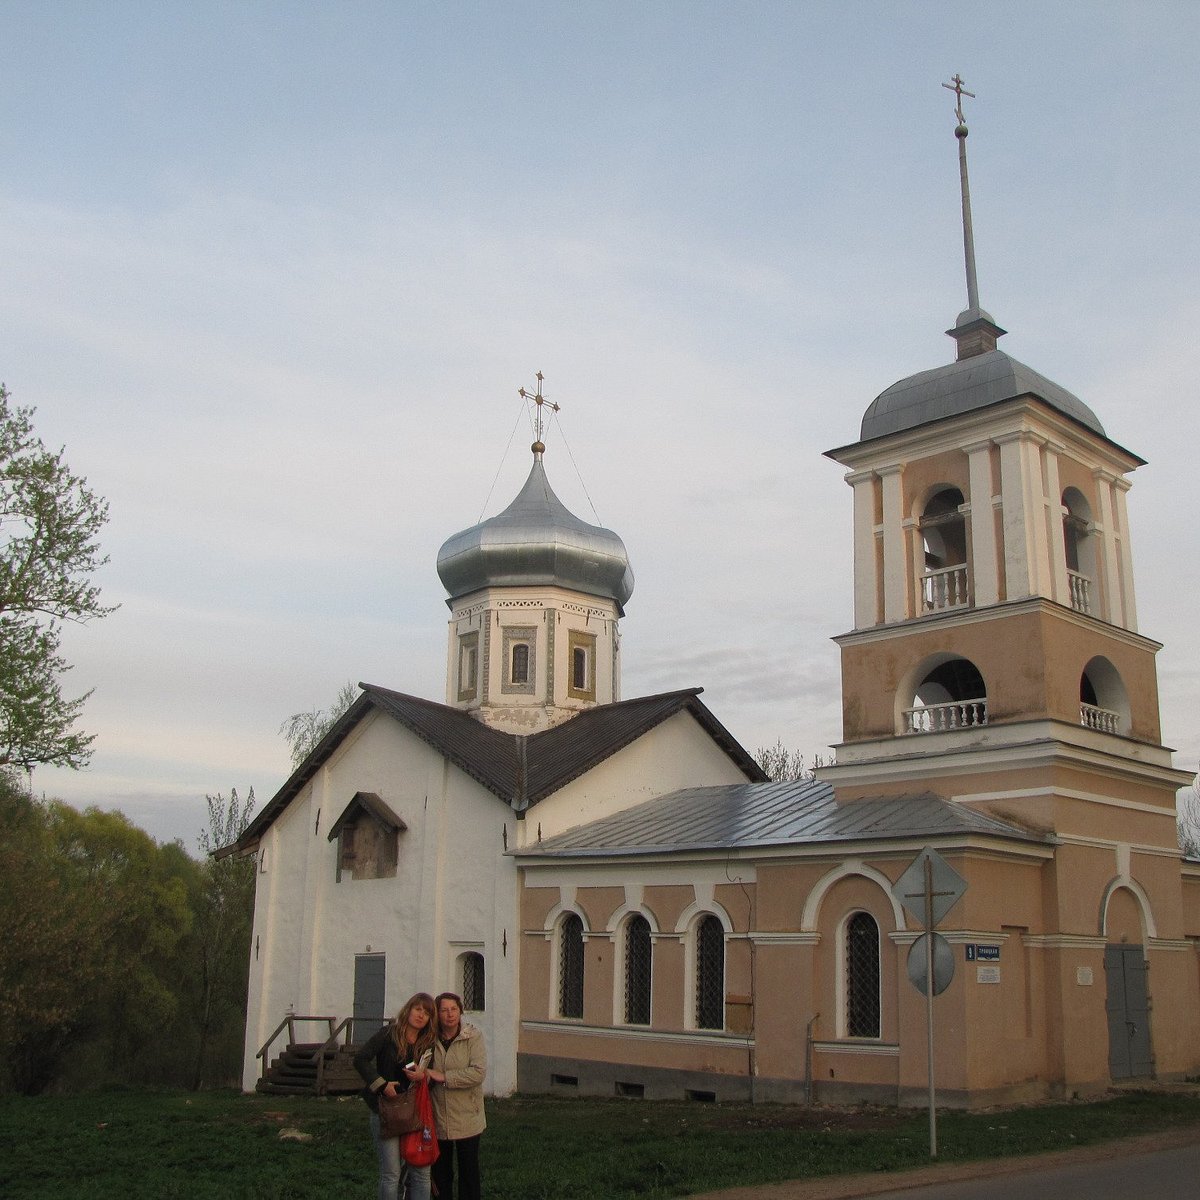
(950, 693)
(1103, 700)
(944, 543)
(1079, 547)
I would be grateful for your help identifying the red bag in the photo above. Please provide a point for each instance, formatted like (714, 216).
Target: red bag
(420, 1147)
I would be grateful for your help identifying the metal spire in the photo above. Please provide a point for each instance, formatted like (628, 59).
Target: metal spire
(539, 400)
(960, 132)
(974, 331)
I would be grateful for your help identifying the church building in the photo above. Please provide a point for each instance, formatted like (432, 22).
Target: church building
(385, 863)
(631, 908)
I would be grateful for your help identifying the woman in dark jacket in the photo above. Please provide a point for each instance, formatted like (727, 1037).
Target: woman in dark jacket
(389, 1063)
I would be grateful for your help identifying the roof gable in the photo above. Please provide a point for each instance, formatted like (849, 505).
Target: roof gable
(519, 769)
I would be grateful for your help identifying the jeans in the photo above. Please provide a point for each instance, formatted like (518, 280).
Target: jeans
(394, 1171)
(466, 1150)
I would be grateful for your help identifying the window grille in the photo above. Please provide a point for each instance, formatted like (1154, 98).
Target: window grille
(862, 976)
(570, 967)
(472, 982)
(710, 974)
(637, 971)
(520, 663)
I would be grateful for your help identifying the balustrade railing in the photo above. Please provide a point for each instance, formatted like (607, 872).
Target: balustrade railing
(1080, 588)
(944, 588)
(938, 718)
(1094, 717)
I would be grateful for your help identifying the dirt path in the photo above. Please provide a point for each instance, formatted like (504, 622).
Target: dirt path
(846, 1187)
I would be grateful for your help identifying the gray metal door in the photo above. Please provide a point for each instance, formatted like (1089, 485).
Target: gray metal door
(369, 980)
(1128, 1008)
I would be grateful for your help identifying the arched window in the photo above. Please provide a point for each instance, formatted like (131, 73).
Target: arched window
(710, 974)
(520, 663)
(570, 967)
(472, 982)
(862, 976)
(638, 960)
(1080, 548)
(944, 539)
(1103, 701)
(951, 695)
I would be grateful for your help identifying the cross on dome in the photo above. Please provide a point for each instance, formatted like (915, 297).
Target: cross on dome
(539, 400)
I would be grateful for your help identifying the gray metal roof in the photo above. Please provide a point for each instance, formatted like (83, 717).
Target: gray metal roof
(748, 815)
(965, 386)
(536, 540)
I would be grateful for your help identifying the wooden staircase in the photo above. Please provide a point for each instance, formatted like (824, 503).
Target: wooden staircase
(310, 1068)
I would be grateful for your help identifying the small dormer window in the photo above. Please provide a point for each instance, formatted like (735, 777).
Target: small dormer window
(519, 642)
(581, 665)
(367, 836)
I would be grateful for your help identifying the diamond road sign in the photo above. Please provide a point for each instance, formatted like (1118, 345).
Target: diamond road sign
(946, 886)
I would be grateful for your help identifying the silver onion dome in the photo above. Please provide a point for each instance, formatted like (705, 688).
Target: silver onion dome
(536, 541)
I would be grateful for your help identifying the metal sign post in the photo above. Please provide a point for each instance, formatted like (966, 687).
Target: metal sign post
(929, 1004)
(928, 889)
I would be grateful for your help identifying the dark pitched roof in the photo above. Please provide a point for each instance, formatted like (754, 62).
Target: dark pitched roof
(556, 756)
(520, 769)
(747, 815)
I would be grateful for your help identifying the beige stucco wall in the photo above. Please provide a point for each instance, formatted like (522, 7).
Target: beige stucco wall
(1031, 661)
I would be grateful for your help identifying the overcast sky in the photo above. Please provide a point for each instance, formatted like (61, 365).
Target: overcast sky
(274, 272)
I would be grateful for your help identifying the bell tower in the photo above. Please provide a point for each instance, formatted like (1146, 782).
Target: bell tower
(535, 596)
(995, 629)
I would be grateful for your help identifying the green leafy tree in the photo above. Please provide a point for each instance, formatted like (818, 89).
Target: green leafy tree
(88, 963)
(302, 731)
(48, 964)
(49, 524)
(784, 765)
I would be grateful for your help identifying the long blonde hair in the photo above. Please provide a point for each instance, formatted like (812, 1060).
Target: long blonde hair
(426, 1037)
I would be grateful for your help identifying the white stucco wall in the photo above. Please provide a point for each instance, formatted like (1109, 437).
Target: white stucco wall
(675, 754)
(454, 889)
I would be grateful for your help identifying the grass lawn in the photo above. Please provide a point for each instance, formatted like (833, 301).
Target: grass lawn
(125, 1145)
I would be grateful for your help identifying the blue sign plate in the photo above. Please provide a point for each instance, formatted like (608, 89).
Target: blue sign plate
(976, 953)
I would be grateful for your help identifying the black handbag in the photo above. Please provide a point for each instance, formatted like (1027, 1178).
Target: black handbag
(398, 1114)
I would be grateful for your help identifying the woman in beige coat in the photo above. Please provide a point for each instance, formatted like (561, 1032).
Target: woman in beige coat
(457, 1072)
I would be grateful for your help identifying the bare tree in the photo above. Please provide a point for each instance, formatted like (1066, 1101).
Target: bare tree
(303, 730)
(784, 765)
(225, 914)
(1187, 816)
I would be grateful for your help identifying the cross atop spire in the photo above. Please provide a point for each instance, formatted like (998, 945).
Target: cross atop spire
(539, 401)
(975, 332)
(956, 86)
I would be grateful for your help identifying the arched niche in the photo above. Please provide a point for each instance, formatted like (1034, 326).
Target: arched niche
(943, 692)
(1103, 700)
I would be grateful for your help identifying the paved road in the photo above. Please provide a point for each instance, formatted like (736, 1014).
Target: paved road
(1163, 1175)
(1164, 1166)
